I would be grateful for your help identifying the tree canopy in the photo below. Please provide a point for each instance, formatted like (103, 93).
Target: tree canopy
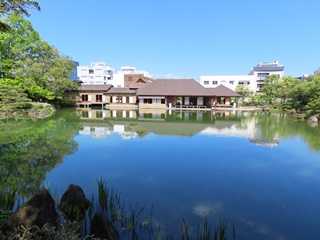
(19, 7)
(292, 93)
(28, 62)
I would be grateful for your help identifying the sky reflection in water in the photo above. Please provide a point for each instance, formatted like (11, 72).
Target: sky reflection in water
(266, 185)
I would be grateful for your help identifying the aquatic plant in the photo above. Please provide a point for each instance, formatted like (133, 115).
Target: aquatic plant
(131, 222)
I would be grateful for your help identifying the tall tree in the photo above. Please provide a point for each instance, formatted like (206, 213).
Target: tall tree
(312, 93)
(19, 7)
(32, 64)
(243, 91)
(270, 88)
(285, 87)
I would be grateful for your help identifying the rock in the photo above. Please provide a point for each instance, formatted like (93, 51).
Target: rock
(32, 112)
(38, 211)
(74, 203)
(313, 119)
(102, 228)
(43, 113)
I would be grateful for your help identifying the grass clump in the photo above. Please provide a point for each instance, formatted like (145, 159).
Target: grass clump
(131, 222)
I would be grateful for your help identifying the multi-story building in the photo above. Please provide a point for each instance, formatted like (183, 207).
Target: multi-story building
(230, 81)
(263, 70)
(96, 73)
(254, 81)
(101, 73)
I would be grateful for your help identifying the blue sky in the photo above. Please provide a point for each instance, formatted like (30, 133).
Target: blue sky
(175, 38)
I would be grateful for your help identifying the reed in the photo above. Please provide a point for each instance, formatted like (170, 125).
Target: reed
(132, 222)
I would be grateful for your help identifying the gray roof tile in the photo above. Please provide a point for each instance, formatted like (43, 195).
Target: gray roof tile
(173, 87)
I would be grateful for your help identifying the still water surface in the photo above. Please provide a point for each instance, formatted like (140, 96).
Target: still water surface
(261, 172)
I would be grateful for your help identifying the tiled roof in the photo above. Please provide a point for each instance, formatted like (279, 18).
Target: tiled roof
(95, 87)
(121, 90)
(223, 91)
(130, 78)
(141, 81)
(173, 87)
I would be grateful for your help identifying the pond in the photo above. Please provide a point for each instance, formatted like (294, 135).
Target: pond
(259, 171)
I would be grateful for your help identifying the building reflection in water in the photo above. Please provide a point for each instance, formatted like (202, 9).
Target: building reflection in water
(131, 123)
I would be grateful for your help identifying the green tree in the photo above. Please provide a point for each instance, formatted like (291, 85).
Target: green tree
(300, 95)
(312, 93)
(19, 7)
(12, 99)
(243, 91)
(285, 86)
(270, 88)
(32, 64)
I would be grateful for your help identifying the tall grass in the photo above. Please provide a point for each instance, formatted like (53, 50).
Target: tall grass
(204, 231)
(131, 222)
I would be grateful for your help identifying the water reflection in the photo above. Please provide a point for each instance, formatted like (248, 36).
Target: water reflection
(28, 150)
(133, 123)
(188, 164)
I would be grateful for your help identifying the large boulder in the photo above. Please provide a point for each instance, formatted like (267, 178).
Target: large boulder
(313, 119)
(102, 228)
(74, 203)
(38, 211)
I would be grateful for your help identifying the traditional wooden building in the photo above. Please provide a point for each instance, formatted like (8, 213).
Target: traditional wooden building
(222, 96)
(163, 93)
(126, 96)
(92, 95)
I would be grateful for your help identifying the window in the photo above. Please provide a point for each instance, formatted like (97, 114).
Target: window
(214, 82)
(206, 82)
(231, 82)
(98, 98)
(147, 101)
(221, 100)
(262, 76)
(91, 71)
(118, 99)
(84, 98)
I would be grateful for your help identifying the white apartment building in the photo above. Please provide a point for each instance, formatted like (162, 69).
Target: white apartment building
(101, 73)
(230, 81)
(254, 81)
(96, 73)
